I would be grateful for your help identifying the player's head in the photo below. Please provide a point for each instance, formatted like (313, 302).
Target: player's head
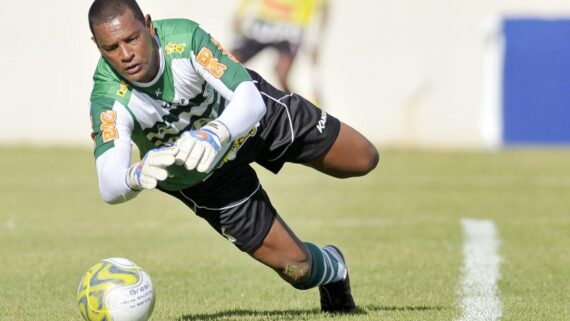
(125, 38)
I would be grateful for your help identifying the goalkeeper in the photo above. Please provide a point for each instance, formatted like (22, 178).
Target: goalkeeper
(199, 118)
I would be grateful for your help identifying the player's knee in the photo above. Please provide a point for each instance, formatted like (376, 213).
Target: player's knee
(366, 159)
(360, 161)
(370, 159)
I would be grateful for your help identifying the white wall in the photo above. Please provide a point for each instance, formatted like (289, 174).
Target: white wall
(403, 72)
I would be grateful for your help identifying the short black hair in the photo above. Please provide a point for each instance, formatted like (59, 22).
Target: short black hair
(102, 11)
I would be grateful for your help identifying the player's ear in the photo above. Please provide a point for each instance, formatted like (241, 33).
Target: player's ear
(149, 25)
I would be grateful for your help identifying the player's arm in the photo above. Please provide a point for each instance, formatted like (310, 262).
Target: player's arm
(112, 129)
(198, 149)
(119, 181)
(112, 167)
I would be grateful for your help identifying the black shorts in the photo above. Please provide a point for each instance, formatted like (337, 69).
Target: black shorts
(232, 199)
(246, 48)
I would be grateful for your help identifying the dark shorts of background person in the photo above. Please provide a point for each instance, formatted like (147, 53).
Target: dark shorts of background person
(246, 48)
(232, 199)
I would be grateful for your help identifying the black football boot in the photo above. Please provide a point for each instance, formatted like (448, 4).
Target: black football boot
(336, 297)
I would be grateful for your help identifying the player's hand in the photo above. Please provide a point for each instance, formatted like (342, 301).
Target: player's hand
(151, 169)
(197, 149)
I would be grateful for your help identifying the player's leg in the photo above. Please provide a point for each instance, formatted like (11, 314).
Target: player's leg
(287, 53)
(302, 133)
(350, 155)
(305, 266)
(282, 69)
(242, 213)
(294, 130)
(282, 251)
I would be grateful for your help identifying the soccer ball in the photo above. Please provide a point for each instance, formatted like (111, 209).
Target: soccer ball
(116, 289)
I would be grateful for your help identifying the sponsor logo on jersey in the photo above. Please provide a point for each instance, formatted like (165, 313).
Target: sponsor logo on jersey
(122, 89)
(322, 122)
(211, 64)
(174, 48)
(108, 122)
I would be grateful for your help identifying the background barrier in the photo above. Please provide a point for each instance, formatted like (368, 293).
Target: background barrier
(408, 73)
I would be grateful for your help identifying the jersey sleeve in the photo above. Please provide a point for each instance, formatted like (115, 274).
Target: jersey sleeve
(112, 124)
(215, 64)
(112, 131)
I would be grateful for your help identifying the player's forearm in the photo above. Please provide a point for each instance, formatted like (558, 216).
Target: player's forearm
(112, 168)
(245, 109)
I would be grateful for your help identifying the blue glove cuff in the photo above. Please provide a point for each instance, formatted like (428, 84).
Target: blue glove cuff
(206, 135)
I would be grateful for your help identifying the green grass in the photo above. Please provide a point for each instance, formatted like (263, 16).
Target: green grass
(399, 228)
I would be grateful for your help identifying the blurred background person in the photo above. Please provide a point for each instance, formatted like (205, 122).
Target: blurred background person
(281, 25)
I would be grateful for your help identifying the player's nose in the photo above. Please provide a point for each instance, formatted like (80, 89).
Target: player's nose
(127, 54)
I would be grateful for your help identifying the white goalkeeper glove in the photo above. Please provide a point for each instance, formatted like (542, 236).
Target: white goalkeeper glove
(198, 148)
(151, 169)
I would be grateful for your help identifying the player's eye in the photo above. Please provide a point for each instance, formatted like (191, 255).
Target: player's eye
(133, 39)
(110, 48)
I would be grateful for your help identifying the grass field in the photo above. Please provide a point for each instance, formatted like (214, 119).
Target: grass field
(399, 227)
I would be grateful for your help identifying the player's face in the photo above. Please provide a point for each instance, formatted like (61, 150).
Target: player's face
(129, 46)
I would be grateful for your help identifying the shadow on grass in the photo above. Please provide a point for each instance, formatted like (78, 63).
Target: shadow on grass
(249, 314)
(294, 314)
(403, 308)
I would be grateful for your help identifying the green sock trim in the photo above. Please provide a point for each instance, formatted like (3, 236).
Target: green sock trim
(317, 268)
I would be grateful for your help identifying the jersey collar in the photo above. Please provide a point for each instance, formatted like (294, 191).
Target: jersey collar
(160, 69)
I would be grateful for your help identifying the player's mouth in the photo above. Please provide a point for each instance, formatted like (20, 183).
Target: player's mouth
(133, 69)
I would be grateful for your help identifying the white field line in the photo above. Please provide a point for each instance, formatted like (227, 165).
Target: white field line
(479, 292)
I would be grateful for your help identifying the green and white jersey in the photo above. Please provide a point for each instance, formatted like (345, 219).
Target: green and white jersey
(197, 78)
